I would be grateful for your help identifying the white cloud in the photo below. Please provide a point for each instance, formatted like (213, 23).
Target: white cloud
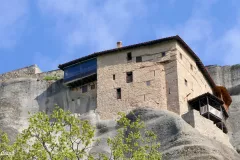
(196, 28)
(95, 24)
(198, 32)
(12, 20)
(225, 48)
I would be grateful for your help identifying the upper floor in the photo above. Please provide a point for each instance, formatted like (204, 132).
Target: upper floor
(132, 74)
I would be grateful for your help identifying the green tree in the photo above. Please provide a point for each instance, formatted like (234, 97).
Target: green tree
(5, 147)
(133, 141)
(58, 136)
(61, 135)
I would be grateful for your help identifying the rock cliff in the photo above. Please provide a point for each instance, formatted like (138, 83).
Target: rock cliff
(229, 76)
(25, 90)
(179, 141)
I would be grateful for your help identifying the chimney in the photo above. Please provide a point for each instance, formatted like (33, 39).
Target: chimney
(119, 44)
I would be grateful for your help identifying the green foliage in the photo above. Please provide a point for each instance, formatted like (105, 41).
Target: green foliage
(50, 78)
(61, 136)
(133, 141)
(5, 147)
(58, 136)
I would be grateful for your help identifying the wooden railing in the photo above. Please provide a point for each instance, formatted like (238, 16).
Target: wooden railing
(209, 109)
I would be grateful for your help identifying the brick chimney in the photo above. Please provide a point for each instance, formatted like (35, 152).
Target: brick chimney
(119, 44)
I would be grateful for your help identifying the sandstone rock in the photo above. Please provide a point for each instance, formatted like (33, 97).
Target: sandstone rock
(229, 76)
(178, 139)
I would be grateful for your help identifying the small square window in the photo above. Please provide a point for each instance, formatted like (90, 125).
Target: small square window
(129, 77)
(163, 54)
(114, 77)
(186, 82)
(191, 66)
(129, 56)
(181, 55)
(139, 59)
(93, 86)
(84, 89)
(119, 94)
(148, 83)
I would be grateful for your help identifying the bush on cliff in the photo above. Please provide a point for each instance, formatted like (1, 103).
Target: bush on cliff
(62, 135)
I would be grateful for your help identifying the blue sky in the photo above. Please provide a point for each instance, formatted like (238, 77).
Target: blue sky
(51, 32)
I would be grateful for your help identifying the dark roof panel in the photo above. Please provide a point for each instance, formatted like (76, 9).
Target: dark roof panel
(176, 38)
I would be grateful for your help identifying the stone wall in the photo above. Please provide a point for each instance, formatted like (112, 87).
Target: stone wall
(191, 82)
(22, 72)
(206, 127)
(149, 80)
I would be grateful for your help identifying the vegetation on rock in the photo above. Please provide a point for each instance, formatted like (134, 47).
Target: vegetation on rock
(62, 135)
(50, 78)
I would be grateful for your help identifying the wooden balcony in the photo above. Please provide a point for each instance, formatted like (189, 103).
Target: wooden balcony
(207, 109)
(211, 107)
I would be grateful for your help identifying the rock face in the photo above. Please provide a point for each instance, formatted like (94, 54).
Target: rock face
(178, 139)
(29, 92)
(229, 76)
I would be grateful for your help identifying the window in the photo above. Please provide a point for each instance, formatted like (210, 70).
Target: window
(186, 82)
(84, 89)
(139, 59)
(181, 55)
(129, 77)
(119, 94)
(191, 66)
(93, 86)
(114, 77)
(80, 70)
(163, 54)
(148, 83)
(129, 56)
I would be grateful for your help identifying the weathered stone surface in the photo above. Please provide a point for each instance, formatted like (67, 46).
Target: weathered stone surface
(19, 96)
(229, 76)
(178, 139)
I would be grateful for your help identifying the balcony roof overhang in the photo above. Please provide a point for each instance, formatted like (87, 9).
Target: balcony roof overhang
(81, 81)
(211, 97)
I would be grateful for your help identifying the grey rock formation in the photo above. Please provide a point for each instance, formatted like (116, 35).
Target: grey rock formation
(229, 76)
(20, 96)
(178, 139)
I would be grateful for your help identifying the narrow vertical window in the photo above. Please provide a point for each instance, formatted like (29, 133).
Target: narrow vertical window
(93, 86)
(129, 56)
(148, 83)
(186, 82)
(139, 59)
(84, 89)
(191, 66)
(163, 54)
(180, 55)
(119, 93)
(129, 77)
(114, 77)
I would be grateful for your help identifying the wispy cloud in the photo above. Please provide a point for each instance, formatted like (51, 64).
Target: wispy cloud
(226, 47)
(13, 15)
(198, 31)
(92, 25)
(196, 28)
(96, 24)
